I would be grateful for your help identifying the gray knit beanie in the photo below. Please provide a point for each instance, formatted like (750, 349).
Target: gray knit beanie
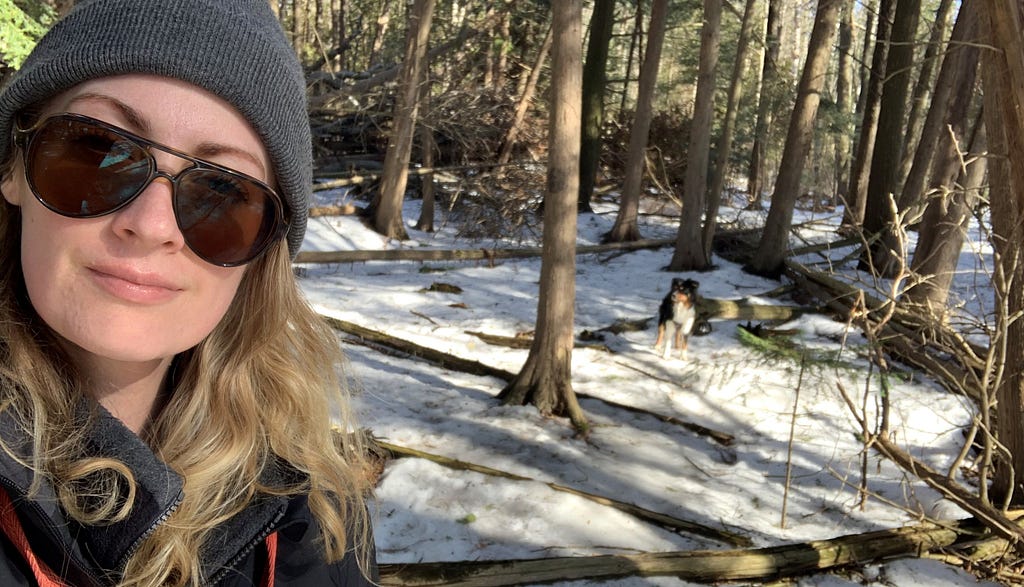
(233, 48)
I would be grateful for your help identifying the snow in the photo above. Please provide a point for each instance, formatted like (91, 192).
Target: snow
(427, 512)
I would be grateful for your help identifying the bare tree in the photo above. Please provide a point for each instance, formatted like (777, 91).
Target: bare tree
(546, 378)
(871, 98)
(689, 253)
(768, 258)
(762, 128)
(878, 217)
(386, 207)
(725, 141)
(1003, 74)
(626, 227)
(595, 77)
(844, 93)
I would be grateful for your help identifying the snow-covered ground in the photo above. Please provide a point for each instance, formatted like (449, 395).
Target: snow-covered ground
(778, 414)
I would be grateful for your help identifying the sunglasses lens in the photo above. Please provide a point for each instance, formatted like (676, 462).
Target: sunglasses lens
(227, 220)
(80, 170)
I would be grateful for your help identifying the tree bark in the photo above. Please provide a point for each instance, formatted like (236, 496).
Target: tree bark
(857, 195)
(386, 208)
(427, 147)
(546, 378)
(690, 253)
(962, 55)
(1003, 73)
(765, 105)
(721, 168)
(844, 94)
(595, 78)
(885, 255)
(768, 259)
(944, 224)
(923, 88)
(626, 227)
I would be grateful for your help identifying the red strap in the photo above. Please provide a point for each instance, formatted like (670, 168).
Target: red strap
(11, 526)
(271, 544)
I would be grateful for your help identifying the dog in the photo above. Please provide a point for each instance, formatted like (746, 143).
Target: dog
(678, 313)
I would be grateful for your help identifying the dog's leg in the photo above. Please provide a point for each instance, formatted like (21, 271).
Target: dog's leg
(680, 341)
(661, 337)
(668, 344)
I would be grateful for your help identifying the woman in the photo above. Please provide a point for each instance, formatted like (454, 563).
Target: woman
(167, 397)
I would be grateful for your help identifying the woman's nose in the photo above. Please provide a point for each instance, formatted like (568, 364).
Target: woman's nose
(148, 222)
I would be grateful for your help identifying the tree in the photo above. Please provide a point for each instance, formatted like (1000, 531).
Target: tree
(871, 96)
(689, 253)
(525, 99)
(725, 140)
(546, 378)
(922, 88)
(626, 227)
(961, 56)
(595, 78)
(386, 208)
(762, 128)
(1003, 76)
(768, 258)
(883, 254)
(844, 86)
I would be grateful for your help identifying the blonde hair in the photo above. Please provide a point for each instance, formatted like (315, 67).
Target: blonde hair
(258, 389)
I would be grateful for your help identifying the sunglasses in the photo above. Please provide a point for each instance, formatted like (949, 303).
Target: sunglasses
(81, 167)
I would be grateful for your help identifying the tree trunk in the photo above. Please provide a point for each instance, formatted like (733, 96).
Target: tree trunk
(635, 48)
(525, 98)
(427, 147)
(945, 220)
(595, 78)
(721, 169)
(765, 105)
(626, 227)
(919, 100)
(340, 10)
(689, 253)
(885, 256)
(962, 55)
(546, 378)
(380, 31)
(768, 259)
(386, 208)
(844, 93)
(857, 195)
(1004, 119)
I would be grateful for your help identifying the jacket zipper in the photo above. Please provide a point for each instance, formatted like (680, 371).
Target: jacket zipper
(51, 528)
(268, 529)
(170, 509)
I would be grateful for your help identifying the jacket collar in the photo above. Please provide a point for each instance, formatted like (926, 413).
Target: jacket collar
(158, 493)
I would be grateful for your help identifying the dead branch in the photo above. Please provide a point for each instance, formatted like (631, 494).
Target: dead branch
(665, 521)
(463, 254)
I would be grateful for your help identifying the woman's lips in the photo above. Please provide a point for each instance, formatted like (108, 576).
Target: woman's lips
(134, 286)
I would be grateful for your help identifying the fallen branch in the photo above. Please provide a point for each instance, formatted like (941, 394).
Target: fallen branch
(663, 520)
(700, 566)
(463, 254)
(448, 361)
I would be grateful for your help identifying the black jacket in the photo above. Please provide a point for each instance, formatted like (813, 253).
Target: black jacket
(94, 556)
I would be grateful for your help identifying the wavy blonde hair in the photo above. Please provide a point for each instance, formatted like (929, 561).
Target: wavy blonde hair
(261, 387)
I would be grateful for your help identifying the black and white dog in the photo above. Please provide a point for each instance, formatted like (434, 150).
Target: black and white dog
(678, 312)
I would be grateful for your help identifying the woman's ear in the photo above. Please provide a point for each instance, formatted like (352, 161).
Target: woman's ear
(12, 182)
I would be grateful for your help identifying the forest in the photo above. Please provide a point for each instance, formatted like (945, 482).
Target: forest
(902, 116)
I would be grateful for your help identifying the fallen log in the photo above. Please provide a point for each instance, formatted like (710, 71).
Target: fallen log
(463, 254)
(449, 361)
(663, 520)
(759, 564)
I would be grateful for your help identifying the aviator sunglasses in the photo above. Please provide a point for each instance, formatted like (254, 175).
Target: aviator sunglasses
(81, 167)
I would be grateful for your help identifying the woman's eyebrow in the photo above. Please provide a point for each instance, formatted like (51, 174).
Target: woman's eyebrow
(142, 127)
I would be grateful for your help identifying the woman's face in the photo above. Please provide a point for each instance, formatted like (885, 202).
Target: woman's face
(125, 287)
